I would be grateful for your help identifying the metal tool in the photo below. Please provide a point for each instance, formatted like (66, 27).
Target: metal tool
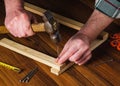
(27, 78)
(52, 27)
(10, 67)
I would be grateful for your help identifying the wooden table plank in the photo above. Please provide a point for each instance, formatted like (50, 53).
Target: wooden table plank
(105, 74)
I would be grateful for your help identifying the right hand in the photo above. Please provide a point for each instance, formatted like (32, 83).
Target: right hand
(18, 23)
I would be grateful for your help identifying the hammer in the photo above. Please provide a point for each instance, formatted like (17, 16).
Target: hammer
(50, 25)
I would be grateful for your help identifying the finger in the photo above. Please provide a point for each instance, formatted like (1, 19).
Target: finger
(34, 19)
(66, 55)
(62, 52)
(11, 28)
(78, 54)
(86, 53)
(13, 33)
(21, 31)
(84, 59)
(29, 32)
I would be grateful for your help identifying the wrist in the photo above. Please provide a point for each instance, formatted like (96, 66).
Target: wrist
(86, 36)
(13, 5)
(89, 33)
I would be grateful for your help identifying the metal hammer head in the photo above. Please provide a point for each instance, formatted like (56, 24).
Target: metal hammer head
(52, 27)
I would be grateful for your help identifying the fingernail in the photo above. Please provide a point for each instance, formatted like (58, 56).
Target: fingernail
(79, 64)
(56, 60)
(59, 62)
(71, 59)
(76, 62)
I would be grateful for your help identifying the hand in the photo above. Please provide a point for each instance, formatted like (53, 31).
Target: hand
(18, 23)
(76, 50)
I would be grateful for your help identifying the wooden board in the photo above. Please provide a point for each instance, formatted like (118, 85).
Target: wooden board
(43, 58)
(61, 19)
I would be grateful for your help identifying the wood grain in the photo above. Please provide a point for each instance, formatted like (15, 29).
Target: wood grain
(36, 28)
(107, 74)
(50, 61)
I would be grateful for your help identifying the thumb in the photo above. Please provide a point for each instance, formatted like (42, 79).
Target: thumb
(30, 32)
(34, 19)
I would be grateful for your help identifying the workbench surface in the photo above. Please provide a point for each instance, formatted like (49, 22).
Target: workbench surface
(93, 73)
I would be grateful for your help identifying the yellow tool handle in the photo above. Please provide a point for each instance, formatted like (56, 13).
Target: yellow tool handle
(10, 67)
(36, 28)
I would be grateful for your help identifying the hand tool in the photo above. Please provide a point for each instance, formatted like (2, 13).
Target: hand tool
(29, 75)
(50, 25)
(52, 28)
(10, 67)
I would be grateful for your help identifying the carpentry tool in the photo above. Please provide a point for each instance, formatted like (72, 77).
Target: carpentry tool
(50, 25)
(29, 75)
(52, 28)
(10, 67)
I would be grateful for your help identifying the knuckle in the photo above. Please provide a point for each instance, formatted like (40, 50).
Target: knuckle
(24, 15)
(71, 59)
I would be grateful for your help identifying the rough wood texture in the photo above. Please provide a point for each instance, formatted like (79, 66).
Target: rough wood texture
(107, 74)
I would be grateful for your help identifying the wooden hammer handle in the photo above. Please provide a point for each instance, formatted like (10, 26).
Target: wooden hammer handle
(36, 28)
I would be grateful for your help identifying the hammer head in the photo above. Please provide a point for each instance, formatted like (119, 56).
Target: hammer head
(52, 27)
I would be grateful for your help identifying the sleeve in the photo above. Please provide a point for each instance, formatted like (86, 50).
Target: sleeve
(110, 8)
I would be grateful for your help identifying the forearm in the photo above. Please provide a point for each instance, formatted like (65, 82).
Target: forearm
(95, 24)
(13, 5)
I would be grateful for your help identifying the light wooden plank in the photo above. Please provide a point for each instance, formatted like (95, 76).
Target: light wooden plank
(43, 58)
(61, 19)
(31, 53)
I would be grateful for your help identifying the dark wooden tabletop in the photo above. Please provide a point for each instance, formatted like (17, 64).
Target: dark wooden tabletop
(95, 72)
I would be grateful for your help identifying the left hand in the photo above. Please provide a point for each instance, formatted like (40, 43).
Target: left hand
(77, 50)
